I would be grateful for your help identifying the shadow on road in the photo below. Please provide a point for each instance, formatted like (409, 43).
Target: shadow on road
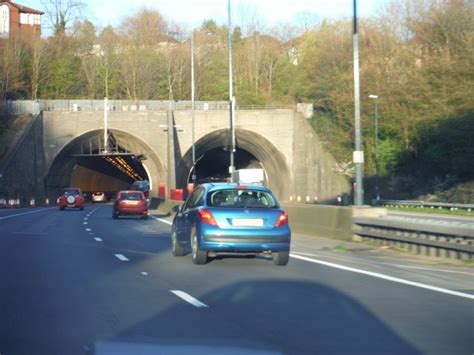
(264, 317)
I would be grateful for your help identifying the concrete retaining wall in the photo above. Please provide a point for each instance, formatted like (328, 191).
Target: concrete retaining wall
(317, 220)
(321, 220)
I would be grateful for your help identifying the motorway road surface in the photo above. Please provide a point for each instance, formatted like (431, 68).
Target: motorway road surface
(79, 282)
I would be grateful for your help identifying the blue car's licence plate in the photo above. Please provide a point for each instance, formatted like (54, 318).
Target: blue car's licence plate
(247, 222)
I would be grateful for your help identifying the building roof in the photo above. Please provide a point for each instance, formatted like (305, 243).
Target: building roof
(22, 8)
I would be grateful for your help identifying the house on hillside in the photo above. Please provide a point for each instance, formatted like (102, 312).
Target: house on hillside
(16, 19)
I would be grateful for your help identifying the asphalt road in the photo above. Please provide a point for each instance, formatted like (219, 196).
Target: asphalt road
(79, 282)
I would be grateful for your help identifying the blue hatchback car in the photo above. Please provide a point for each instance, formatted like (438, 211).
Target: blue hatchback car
(223, 218)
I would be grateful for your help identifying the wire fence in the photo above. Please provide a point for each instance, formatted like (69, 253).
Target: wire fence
(33, 107)
(21, 107)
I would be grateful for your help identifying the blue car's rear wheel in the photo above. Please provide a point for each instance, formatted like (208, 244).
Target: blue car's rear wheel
(199, 256)
(281, 258)
(175, 246)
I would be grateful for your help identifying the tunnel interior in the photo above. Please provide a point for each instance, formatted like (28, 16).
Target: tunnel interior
(87, 163)
(214, 164)
(252, 151)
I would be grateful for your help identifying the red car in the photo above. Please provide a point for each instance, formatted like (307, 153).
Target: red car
(71, 197)
(130, 203)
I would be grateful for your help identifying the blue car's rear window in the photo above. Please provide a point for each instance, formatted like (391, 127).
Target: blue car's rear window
(235, 198)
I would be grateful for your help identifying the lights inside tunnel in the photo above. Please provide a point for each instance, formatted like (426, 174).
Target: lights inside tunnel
(120, 164)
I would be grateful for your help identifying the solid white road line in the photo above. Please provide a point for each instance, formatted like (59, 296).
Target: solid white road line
(162, 220)
(190, 299)
(21, 214)
(98, 239)
(385, 277)
(342, 257)
(121, 257)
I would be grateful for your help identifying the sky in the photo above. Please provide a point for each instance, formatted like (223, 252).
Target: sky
(191, 13)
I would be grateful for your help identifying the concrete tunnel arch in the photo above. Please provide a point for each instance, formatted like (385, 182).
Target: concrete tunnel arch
(265, 152)
(61, 170)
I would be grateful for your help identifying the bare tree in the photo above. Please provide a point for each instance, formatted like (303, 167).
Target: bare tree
(63, 13)
(37, 63)
(11, 65)
(146, 28)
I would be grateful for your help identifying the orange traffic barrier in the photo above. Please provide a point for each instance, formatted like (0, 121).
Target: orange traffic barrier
(162, 190)
(176, 194)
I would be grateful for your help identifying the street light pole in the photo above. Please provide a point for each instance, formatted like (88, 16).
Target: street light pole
(193, 107)
(231, 95)
(376, 144)
(358, 155)
(106, 118)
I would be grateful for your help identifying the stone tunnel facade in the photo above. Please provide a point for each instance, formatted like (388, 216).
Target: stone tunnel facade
(281, 140)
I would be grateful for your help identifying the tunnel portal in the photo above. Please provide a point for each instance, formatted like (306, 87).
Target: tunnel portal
(85, 162)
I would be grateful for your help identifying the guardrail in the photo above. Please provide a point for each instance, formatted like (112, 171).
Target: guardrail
(423, 204)
(447, 240)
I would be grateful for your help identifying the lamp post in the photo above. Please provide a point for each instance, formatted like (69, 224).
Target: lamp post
(231, 96)
(358, 156)
(106, 118)
(193, 107)
(376, 144)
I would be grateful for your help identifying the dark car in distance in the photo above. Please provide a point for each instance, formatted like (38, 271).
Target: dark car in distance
(130, 203)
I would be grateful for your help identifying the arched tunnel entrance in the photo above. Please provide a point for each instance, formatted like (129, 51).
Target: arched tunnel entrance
(253, 151)
(86, 163)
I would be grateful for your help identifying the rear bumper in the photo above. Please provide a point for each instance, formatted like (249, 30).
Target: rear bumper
(132, 210)
(74, 205)
(217, 240)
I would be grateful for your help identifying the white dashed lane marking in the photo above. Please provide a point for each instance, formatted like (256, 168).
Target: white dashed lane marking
(121, 257)
(190, 299)
(98, 239)
(88, 230)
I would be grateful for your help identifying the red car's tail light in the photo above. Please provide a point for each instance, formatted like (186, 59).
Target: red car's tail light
(206, 217)
(282, 220)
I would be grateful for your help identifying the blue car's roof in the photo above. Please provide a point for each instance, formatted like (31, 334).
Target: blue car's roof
(233, 185)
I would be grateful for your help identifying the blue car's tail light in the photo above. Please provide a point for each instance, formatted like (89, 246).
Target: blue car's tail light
(206, 217)
(281, 220)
